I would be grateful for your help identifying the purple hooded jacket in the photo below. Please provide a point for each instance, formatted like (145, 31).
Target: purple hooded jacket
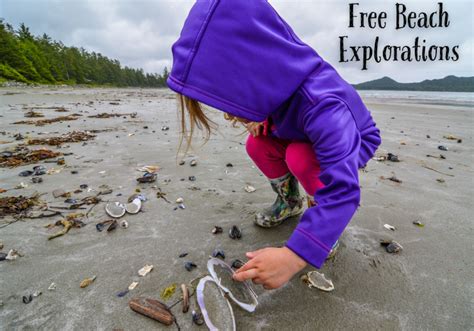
(242, 58)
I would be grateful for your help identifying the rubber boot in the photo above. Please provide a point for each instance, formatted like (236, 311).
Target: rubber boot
(287, 204)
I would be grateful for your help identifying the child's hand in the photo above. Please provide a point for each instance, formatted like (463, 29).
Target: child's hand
(254, 128)
(270, 267)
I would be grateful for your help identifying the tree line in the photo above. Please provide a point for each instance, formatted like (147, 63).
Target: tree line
(33, 59)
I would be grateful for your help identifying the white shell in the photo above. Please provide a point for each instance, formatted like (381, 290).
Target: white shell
(145, 270)
(179, 200)
(52, 287)
(115, 209)
(132, 286)
(124, 224)
(318, 280)
(389, 227)
(249, 189)
(134, 207)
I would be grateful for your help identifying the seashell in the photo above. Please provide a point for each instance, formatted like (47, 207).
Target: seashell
(115, 209)
(237, 264)
(37, 180)
(193, 163)
(418, 224)
(391, 246)
(318, 280)
(197, 318)
(217, 229)
(148, 177)
(235, 232)
(179, 200)
(52, 287)
(392, 157)
(190, 266)
(132, 286)
(185, 294)
(442, 148)
(389, 227)
(134, 207)
(37, 294)
(181, 162)
(86, 282)
(192, 178)
(218, 253)
(27, 299)
(145, 270)
(183, 255)
(59, 193)
(83, 186)
(229, 165)
(25, 173)
(440, 180)
(149, 168)
(124, 224)
(153, 309)
(249, 189)
(182, 206)
(165, 128)
(122, 293)
(113, 225)
(12, 255)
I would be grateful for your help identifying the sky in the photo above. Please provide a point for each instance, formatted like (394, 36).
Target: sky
(139, 33)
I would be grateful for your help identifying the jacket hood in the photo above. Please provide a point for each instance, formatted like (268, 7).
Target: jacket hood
(240, 57)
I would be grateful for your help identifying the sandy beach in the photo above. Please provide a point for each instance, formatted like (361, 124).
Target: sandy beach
(427, 286)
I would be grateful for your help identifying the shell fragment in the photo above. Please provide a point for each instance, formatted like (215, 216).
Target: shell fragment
(145, 270)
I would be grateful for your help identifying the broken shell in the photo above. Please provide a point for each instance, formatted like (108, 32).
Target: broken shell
(134, 206)
(183, 255)
(153, 309)
(237, 264)
(112, 226)
(3, 256)
(165, 128)
(12, 255)
(190, 266)
(27, 298)
(391, 246)
(149, 168)
(182, 206)
(52, 287)
(145, 270)
(249, 189)
(100, 226)
(37, 294)
(193, 163)
(217, 229)
(181, 162)
(218, 253)
(179, 200)
(168, 292)
(132, 286)
(124, 224)
(192, 178)
(86, 282)
(442, 148)
(235, 232)
(318, 280)
(440, 180)
(392, 157)
(229, 165)
(389, 227)
(36, 180)
(59, 193)
(122, 293)
(197, 318)
(185, 294)
(148, 177)
(418, 224)
(115, 209)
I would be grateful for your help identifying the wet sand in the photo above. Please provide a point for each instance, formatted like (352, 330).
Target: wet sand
(427, 286)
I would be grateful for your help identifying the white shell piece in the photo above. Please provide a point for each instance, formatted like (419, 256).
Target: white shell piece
(249, 189)
(202, 306)
(389, 227)
(145, 270)
(115, 209)
(318, 280)
(250, 307)
(132, 286)
(134, 207)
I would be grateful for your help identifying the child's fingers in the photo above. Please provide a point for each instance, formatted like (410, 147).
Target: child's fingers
(244, 275)
(249, 265)
(253, 254)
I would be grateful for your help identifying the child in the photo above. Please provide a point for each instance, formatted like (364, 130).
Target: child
(307, 123)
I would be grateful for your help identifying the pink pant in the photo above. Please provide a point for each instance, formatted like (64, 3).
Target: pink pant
(276, 157)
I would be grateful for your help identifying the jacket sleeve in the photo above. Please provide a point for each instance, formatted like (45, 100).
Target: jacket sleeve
(335, 137)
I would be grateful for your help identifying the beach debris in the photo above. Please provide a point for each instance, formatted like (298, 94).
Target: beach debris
(36, 180)
(121, 294)
(181, 162)
(71, 220)
(72, 137)
(218, 253)
(165, 128)
(391, 246)
(22, 155)
(440, 172)
(217, 229)
(27, 298)
(148, 177)
(237, 264)
(389, 227)
(145, 270)
(440, 180)
(441, 156)
(115, 209)
(25, 173)
(113, 225)
(124, 224)
(229, 165)
(109, 115)
(393, 178)
(392, 157)
(1, 245)
(3, 256)
(60, 193)
(314, 279)
(451, 137)
(153, 309)
(235, 232)
(134, 207)
(149, 168)
(190, 266)
(168, 292)
(197, 318)
(43, 122)
(192, 178)
(87, 281)
(12, 255)
(21, 185)
(418, 224)
(132, 286)
(52, 287)
(17, 205)
(183, 255)
(185, 297)
(249, 189)
(193, 163)
(161, 195)
(179, 200)
(442, 148)
(33, 113)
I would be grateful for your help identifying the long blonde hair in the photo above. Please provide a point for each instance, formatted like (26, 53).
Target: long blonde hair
(197, 119)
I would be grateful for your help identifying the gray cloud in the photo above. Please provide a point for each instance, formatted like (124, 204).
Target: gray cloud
(139, 33)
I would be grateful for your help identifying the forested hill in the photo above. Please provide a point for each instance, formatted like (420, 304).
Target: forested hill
(446, 84)
(32, 59)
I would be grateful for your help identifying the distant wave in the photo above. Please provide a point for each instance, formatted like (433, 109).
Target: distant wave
(460, 99)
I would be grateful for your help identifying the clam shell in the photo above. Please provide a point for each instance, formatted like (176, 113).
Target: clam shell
(134, 207)
(249, 189)
(115, 209)
(145, 270)
(318, 280)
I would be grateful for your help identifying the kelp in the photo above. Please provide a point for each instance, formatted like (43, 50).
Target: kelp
(72, 117)
(72, 137)
(17, 205)
(22, 155)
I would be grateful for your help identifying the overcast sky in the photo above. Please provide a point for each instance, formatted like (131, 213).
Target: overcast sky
(139, 33)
